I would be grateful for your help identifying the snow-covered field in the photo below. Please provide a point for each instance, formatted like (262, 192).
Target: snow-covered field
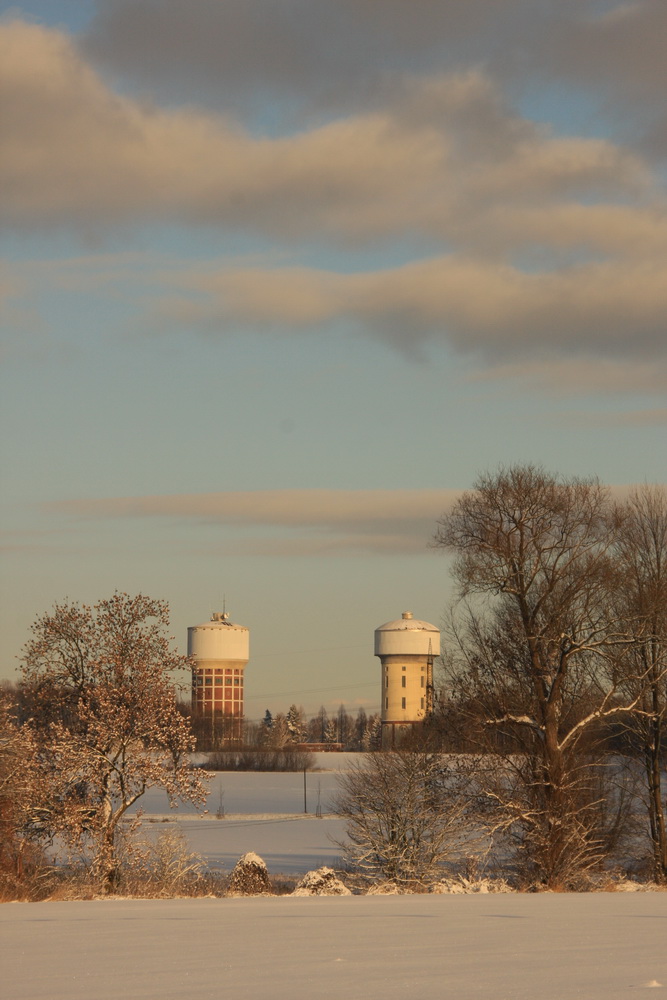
(504, 947)
(263, 813)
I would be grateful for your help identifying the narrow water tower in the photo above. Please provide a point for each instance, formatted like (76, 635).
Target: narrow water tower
(220, 651)
(407, 648)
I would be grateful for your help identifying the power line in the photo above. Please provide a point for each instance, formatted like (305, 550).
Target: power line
(300, 691)
(300, 652)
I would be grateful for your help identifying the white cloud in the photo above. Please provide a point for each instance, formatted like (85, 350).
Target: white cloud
(615, 307)
(436, 161)
(292, 522)
(555, 244)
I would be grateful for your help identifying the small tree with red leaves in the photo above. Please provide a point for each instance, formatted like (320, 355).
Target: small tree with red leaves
(98, 685)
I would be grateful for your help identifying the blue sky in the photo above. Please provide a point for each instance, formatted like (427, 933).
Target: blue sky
(280, 279)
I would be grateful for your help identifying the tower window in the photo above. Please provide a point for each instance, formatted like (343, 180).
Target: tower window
(422, 702)
(386, 703)
(402, 702)
(422, 680)
(402, 681)
(402, 668)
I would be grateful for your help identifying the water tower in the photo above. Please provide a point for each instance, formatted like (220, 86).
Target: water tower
(406, 648)
(220, 650)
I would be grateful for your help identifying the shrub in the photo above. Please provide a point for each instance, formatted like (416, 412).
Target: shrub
(285, 759)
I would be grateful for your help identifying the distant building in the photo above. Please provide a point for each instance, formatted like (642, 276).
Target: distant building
(407, 648)
(220, 650)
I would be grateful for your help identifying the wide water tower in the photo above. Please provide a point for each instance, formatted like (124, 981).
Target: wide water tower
(407, 648)
(220, 650)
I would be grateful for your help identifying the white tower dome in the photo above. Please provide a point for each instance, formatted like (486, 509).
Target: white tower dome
(407, 648)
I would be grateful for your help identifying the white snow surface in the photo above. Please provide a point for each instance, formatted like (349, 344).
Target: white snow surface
(264, 813)
(505, 947)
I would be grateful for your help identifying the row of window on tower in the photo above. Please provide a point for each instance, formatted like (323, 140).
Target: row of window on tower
(403, 703)
(218, 690)
(422, 679)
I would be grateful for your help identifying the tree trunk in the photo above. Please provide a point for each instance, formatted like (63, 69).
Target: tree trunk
(656, 808)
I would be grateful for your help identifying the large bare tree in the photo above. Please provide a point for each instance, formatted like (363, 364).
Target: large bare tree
(537, 637)
(642, 553)
(98, 682)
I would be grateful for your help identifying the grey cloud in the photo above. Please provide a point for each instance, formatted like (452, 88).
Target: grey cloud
(303, 51)
(617, 55)
(582, 376)
(629, 418)
(340, 546)
(349, 53)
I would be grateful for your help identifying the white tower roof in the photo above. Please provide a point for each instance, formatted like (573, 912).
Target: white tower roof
(407, 636)
(219, 639)
(406, 623)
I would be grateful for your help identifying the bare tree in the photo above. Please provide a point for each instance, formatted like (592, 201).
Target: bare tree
(642, 553)
(345, 727)
(405, 818)
(317, 727)
(105, 717)
(536, 635)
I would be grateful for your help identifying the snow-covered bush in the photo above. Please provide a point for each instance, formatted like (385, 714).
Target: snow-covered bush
(250, 877)
(386, 889)
(406, 815)
(461, 884)
(322, 882)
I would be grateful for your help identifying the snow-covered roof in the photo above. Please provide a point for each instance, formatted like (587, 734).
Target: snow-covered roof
(407, 624)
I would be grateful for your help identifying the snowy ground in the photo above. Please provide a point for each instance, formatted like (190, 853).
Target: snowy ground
(263, 813)
(504, 947)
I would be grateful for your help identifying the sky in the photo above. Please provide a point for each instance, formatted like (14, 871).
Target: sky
(281, 279)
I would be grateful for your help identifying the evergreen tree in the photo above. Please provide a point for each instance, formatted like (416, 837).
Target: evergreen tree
(331, 733)
(295, 724)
